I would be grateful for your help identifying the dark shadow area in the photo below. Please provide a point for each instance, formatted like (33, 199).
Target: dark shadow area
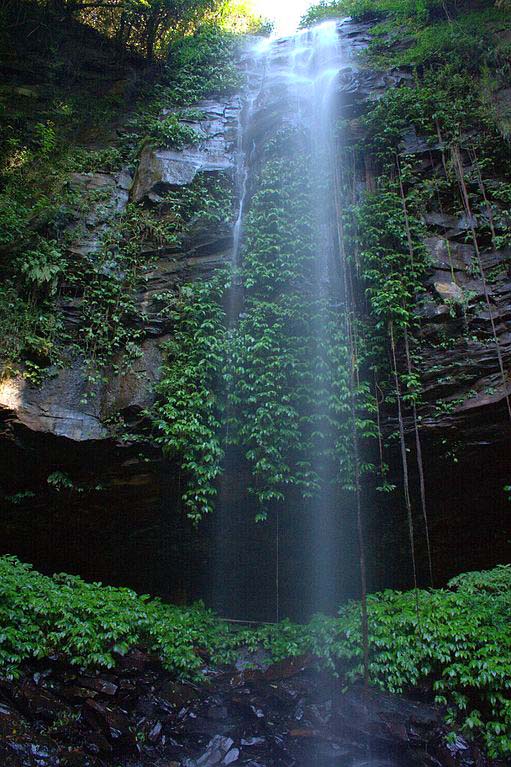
(121, 523)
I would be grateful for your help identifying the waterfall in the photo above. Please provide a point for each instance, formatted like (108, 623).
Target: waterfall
(308, 65)
(292, 98)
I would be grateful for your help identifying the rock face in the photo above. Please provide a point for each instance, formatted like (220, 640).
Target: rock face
(67, 405)
(133, 526)
(464, 326)
(73, 427)
(466, 373)
(161, 169)
(111, 190)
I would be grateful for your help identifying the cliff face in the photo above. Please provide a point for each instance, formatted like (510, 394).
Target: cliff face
(119, 507)
(459, 336)
(105, 507)
(68, 404)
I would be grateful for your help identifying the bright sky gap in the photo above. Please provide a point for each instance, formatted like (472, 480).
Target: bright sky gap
(286, 14)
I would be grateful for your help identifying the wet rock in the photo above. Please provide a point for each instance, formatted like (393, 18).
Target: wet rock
(452, 224)
(11, 722)
(136, 661)
(216, 752)
(288, 668)
(331, 730)
(231, 756)
(78, 693)
(154, 733)
(162, 169)
(108, 194)
(449, 291)
(67, 405)
(98, 684)
(36, 751)
(96, 743)
(38, 702)
(252, 741)
(113, 722)
(217, 712)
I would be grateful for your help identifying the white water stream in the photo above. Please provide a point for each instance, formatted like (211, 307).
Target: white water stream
(294, 85)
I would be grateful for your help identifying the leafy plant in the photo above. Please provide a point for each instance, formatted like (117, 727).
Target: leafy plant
(42, 268)
(458, 652)
(170, 132)
(59, 480)
(187, 415)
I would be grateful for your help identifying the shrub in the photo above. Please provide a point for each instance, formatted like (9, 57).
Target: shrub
(170, 132)
(457, 645)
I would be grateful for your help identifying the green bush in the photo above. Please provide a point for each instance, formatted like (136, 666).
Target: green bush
(434, 30)
(457, 645)
(170, 132)
(360, 9)
(93, 624)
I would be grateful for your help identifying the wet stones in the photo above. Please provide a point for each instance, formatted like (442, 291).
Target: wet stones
(285, 715)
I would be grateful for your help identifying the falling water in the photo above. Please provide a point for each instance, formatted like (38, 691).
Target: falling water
(296, 88)
(243, 156)
(304, 70)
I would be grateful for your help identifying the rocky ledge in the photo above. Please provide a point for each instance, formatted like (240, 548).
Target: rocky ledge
(282, 715)
(67, 404)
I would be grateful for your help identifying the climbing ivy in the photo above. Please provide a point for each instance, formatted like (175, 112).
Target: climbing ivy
(289, 398)
(187, 416)
(393, 280)
(283, 363)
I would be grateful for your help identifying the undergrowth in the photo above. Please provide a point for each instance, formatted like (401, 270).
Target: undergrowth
(458, 649)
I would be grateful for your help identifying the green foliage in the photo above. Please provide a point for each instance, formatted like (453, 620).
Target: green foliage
(93, 624)
(418, 10)
(287, 400)
(187, 416)
(42, 268)
(59, 480)
(286, 404)
(82, 160)
(393, 278)
(468, 38)
(12, 220)
(19, 498)
(45, 137)
(203, 64)
(199, 66)
(42, 212)
(170, 132)
(153, 26)
(29, 334)
(457, 652)
(433, 31)
(445, 112)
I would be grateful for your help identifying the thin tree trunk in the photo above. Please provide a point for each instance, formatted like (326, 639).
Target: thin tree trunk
(404, 461)
(420, 466)
(418, 446)
(355, 441)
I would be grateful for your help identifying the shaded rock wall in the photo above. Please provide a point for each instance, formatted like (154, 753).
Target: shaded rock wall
(464, 420)
(105, 516)
(131, 530)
